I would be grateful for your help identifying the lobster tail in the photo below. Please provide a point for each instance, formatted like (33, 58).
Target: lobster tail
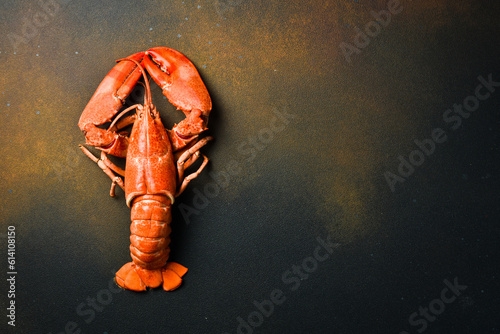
(150, 238)
(150, 231)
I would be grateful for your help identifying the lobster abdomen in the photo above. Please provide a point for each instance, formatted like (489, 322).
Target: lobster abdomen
(150, 231)
(150, 238)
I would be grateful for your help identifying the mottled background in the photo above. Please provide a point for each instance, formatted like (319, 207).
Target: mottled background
(318, 171)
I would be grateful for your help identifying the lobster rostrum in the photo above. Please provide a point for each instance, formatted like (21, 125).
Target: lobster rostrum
(156, 158)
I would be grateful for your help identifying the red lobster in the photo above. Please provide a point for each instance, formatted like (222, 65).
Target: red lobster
(156, 158)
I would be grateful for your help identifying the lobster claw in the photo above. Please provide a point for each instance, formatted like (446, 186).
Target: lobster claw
(105, 104)
(182, 85)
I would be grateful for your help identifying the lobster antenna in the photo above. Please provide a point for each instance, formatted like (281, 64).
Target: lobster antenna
(121, 114)
(147, 95)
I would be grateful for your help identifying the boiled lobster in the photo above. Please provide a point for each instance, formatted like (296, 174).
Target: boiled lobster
(156, 158)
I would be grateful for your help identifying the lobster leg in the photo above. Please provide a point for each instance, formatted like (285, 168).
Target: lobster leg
(111, 165)
(186, 159)
(192, 176)
(109, 168)
(126, 121)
